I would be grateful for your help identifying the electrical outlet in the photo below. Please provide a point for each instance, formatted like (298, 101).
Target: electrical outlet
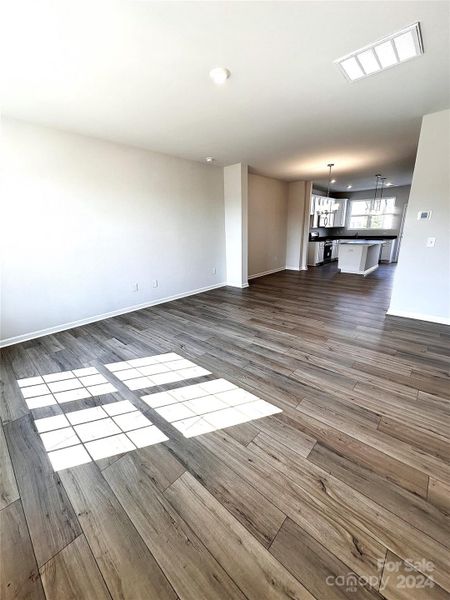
(135, 287)
(431, 242)
(155, 283)
(213, 270)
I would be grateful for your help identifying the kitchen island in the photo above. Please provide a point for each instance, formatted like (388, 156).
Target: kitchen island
(360, 257)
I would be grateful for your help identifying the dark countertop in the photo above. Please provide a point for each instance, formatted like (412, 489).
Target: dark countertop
(323, 238)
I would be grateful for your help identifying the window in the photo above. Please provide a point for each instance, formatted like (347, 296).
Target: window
(365, 216)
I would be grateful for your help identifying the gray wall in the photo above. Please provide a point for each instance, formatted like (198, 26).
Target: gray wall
(267, 215)
(422, 281)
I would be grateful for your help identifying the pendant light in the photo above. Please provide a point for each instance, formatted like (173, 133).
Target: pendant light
(383, 179)
(330, 166)
(373, 204)
(327, 210)
(335, 206)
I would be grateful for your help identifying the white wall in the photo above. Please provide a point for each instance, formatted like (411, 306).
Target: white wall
(267, 222)
(299, 199)
(422, 280)
(84, 220)
(236, 223)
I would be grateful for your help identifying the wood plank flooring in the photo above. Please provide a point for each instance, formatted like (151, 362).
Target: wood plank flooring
(343, 494)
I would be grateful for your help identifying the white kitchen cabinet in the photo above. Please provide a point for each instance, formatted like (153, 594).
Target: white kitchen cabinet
(315, 253)
(340, 213)
(359, 256)
(388, 251)
(321, 205)
(335, 250)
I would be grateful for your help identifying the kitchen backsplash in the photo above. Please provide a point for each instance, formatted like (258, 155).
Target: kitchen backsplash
(322, 231)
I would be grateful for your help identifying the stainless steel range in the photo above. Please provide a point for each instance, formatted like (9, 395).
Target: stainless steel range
(327, 251)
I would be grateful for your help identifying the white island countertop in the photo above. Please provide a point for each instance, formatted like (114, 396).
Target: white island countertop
(360, 257)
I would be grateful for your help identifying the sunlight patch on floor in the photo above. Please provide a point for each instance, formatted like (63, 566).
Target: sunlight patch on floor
(66, 386)
(77, 437)
(205, 407)
(150, 371)
(80, 436)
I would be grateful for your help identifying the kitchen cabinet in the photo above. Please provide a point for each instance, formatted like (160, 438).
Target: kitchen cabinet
(340, 213)
(315, 253)
(388, 251)
(359, 256)
(323, 214)
(335, 250)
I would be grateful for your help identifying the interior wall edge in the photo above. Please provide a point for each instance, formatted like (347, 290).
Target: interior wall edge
(419, 316)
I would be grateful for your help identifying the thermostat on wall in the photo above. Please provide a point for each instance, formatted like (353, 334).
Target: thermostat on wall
(424, 215)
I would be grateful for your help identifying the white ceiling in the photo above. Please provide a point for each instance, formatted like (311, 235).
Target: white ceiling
(136, 72)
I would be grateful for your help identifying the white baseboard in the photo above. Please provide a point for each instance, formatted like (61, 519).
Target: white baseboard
(370, 270)
(114, 313)
(237, 285)
(363, 273)
(296, 268)
(277, 270)
(418, 316)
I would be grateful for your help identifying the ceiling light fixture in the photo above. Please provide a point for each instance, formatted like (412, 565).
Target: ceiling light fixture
(382, 179)
(219, 75)
(373, 203)
(349, 187)
(209, 160)
(330, 207)
(383, 54)
(330, 166)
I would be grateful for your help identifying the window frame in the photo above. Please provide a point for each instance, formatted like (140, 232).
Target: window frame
(370, 215)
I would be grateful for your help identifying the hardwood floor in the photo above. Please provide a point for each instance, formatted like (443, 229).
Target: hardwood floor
(343, 494)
